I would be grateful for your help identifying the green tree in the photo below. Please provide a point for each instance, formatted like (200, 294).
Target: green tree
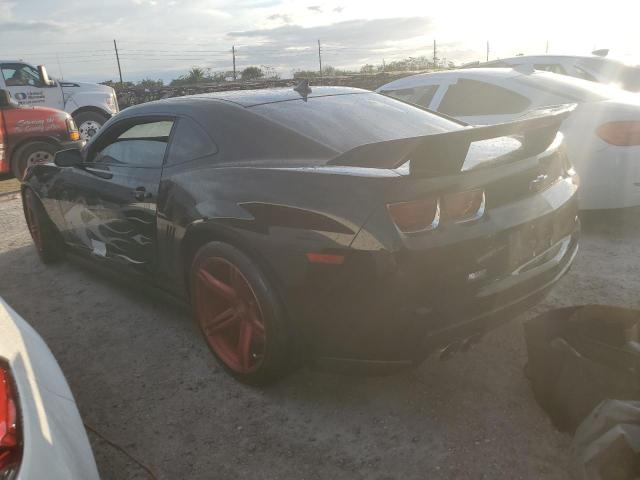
(149, 83)
(195, 75)
(251, 73)
(367, 69)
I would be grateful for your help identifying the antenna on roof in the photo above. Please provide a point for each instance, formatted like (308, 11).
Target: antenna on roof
(303, 88)
(603, 52)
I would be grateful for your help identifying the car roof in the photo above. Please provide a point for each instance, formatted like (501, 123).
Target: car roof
(480, 73)
(550, 57)
(233, 102)
(251, 98)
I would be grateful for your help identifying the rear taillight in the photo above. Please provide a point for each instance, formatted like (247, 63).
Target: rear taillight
(10, 441)
(463, 206)
(622, 134)
(416, 216)
(423, 215)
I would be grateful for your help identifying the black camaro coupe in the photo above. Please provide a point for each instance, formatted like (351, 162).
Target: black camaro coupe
(335, 224)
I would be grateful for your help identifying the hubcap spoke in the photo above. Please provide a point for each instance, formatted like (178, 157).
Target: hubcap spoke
(219, 287)
(256, 322)
(222, 321)
(244, 345)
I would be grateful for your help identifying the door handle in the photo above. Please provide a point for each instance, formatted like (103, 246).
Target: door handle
(141, 194)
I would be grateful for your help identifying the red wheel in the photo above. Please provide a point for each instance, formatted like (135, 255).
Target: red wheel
(230, 315)
(32, 223)
(238, 313)
(46, 237)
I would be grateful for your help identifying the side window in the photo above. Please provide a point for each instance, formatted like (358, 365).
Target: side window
(581, 73)
(189, 142)
(418, 95)
(551, 67)
(471, 97)
(20, 75)
(139, 145)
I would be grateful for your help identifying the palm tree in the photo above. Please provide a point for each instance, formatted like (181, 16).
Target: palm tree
(195, 75)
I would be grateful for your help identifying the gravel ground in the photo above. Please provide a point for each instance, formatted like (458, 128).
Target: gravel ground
(8, 185)
(145, 381)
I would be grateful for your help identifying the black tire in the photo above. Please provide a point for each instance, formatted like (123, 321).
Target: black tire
(84, 119)
(274, 343)
(31, 153)
(46, 237)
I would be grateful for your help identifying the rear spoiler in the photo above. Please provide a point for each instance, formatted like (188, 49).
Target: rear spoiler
(445, 153)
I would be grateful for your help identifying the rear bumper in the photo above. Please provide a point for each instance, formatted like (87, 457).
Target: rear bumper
(394, 309)
(610, 178)
(507, 304)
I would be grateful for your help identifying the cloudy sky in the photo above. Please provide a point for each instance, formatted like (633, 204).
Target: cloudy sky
(164, 38)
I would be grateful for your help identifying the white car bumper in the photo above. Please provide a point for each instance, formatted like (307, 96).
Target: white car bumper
(55, 443)
(609, 178)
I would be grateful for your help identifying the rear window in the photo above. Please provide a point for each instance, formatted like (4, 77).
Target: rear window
(417, 95)
(343, 122)
(472, 97)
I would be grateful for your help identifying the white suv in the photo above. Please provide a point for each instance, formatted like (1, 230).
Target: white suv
(90, 104)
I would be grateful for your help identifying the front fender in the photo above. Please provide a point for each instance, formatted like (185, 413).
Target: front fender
(95, 100)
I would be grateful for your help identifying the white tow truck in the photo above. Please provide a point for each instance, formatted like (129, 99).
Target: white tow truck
(90, 104)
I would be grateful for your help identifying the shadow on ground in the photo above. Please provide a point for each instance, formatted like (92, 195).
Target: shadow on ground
(143, 378)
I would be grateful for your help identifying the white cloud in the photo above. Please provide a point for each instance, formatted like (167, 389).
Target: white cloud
(160, 37)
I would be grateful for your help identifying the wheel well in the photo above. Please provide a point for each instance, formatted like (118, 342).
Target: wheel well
(89, 109)
(27, 141)
(199, 235)
(196, 237)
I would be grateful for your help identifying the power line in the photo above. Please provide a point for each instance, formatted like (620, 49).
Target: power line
(320, 57)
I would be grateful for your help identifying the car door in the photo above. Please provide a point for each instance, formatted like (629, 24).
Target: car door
(481, 103)
(110, 209)
(26, 87)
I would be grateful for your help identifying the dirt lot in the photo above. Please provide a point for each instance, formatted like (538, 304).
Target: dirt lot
(143, 379)
(8, 185)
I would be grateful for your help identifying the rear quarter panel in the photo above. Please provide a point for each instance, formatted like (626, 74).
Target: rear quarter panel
(276, 214)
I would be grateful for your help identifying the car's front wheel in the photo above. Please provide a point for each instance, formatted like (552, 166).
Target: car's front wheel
(239, 314)
(44, 234)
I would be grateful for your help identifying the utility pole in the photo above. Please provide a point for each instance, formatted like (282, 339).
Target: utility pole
(59, 66)
(233, 52)
(435, 58)
(546, 50)
(487, 50)
(384, 66)
(118, 59)
(320, 57)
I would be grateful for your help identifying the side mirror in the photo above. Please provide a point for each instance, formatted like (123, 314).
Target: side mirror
(6, 100)
(68, 158)
(44, 77)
